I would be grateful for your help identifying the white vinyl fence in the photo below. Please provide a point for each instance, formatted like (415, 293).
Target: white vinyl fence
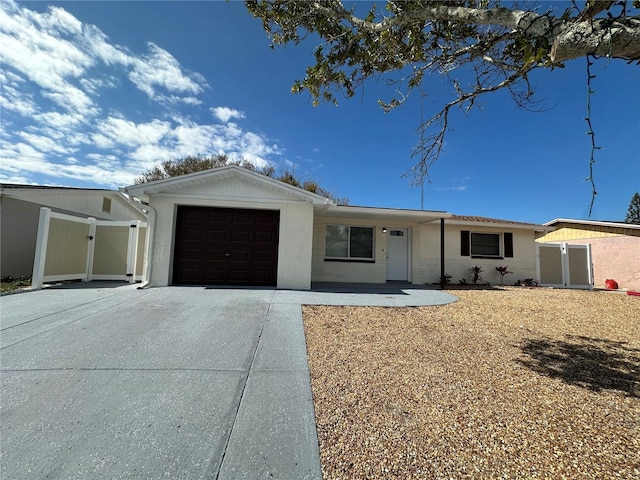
(564, 266)
(74, 248)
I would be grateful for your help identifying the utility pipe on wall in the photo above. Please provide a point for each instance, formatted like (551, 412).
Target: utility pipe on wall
(151, 223)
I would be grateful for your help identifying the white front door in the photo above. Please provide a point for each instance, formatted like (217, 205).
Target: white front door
(398, 254)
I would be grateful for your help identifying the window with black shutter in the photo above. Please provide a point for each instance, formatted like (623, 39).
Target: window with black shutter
(486, 245)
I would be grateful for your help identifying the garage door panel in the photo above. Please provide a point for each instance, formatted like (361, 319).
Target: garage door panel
(263, 257)
(191, 234)
(241, 237)
(213, 276)
(240, 256)
(239, 276)
(191, 273)
(264, 237)
(226, 246)
(240, 217)
(190, 254)
(261, 276)
(215, 254)
(217, 215)
(217, 236)
(194, 216)
(264, 218)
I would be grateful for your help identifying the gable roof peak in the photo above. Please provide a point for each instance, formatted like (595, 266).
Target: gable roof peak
(227, 171)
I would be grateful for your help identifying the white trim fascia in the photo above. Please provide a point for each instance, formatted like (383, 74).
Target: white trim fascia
(596, 223)
(227, 198)
(9, 189)
(393, 214)
(506, 226)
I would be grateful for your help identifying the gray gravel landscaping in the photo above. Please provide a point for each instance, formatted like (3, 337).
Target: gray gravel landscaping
(505, 383)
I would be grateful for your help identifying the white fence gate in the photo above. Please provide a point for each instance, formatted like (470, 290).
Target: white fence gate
(74, 248)
(564, 266)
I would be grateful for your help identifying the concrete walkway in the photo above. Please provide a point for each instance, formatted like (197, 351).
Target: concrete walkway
(102, 380)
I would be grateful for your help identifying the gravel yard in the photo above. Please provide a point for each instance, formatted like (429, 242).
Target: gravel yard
(505, 383)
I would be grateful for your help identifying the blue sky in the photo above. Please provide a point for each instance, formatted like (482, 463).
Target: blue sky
(94, 93)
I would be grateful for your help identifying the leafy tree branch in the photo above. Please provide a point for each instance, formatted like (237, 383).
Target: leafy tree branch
(500, 46)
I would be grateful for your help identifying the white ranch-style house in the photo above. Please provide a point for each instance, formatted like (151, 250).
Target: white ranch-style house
(233, 226)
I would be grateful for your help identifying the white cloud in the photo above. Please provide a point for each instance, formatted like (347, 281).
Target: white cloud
(62, 81)
(4, 178)
(16, 101)
(118, 131)
(42, 56)
(160, 69)
(44, 143)
(59, 18)
(57, 52)
(254, 159)
(224, 114)
(58, 125)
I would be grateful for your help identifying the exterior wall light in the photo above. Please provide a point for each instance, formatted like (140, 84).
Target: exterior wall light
(384, 229)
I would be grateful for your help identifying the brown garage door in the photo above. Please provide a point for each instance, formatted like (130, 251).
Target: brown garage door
(226, 246)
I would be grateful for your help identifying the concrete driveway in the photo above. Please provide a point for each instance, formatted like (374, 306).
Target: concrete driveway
(180, 382)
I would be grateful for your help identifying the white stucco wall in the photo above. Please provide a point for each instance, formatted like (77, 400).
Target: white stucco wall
(294, 248)
(424, 256)
(522, 264)
(348, 271)
(426, 253)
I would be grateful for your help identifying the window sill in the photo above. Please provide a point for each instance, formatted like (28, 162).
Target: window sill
(487, 256)
(349, 260)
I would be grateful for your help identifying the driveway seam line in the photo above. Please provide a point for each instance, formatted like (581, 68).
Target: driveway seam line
(244, 387)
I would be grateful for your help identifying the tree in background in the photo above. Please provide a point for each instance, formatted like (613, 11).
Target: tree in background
(633, 214)
(190, 164)
(499, 46)
(197, 163)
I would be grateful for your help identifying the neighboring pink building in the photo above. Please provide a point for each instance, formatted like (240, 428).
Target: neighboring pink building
(615, 248)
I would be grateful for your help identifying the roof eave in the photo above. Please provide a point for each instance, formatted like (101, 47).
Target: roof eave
(413, 216)
(522, 226)
(593, 223)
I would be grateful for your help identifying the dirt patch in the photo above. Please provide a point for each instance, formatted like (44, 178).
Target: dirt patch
(505, 383)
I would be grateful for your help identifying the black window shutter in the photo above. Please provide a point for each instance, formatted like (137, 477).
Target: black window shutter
(464, 243)
(508, 244)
